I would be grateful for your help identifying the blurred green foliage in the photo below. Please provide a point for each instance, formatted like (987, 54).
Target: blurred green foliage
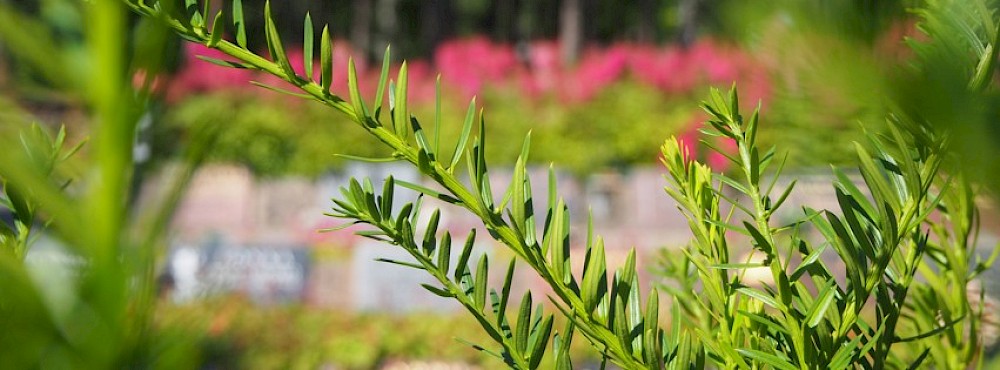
(271, 135)
(237, 334)
(276, 136)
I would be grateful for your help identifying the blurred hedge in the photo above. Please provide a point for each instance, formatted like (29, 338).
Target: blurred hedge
(233, 334)
(275, 136)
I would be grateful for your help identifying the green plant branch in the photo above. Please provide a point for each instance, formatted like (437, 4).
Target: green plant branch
(421, 158)
(786, 328)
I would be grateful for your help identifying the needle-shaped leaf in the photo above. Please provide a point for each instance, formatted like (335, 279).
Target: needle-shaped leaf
(206, 8)
(628, 270)
(517, 194)
(536, 343)
(428, 191)
(736, 266)
(197, 20)
(766, 321)
(555, 242)
(438, 291)
(881, 190)
(274, 45)
(444, 253)
(218, 29)
(463, 259)
(732, 183)
(463, 139)
(784, 195)
(367, 159)
(239, 23)
(430, 241)
(385, 204)
(224, 63)
(355, 91)
(767, 358)
(479, 290)
(400, 114)
(307, 46)
(761, 296)
(652, 334)
(418, 133)
(437, 115)
(753, 124)
(594, 275)
(480, 160)
(326, 60)
(523, 323)
(809, 260)
(395, 262)
(845, 183)
(822, 303)
(505, 292)
(280, 90)
(760, 242)
(842, 358)
(382, 79)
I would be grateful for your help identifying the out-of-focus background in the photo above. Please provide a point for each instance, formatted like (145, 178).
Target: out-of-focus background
(599, 83)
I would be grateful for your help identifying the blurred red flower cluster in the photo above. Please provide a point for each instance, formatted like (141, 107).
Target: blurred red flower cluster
(470, 66)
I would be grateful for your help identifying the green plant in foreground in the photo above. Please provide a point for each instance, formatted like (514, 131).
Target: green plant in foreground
(43, 152)
(91, 308)
(906, 241)
(804, 319)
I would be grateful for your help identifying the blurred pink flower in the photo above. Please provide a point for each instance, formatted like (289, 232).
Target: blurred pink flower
(468, 66)
(690, 139)
(199, 76)
(597, 70)
(718, 65)
(543, 66)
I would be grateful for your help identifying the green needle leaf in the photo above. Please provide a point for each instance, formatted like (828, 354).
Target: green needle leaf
(352, 85)
(274, 42)
(438, 291)
(761, 296)
(437, 115)
(523, 323)
(326, 60)
(479, 290)
(463, 139)
(400, 116)
(239, 23)
(307, 46)
(822, 304)
(383, 77)
(428, 191)
(217, 30)
(463, 259)
(767, 358)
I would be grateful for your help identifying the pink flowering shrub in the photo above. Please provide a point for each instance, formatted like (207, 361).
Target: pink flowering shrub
(470, 66)
(535, 79)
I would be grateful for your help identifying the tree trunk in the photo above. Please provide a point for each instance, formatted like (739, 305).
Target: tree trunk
(687, 14)
(386, 22)
(361, 26)
(437, 22)
(570, 30)
(505, 19)
(648, 9)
